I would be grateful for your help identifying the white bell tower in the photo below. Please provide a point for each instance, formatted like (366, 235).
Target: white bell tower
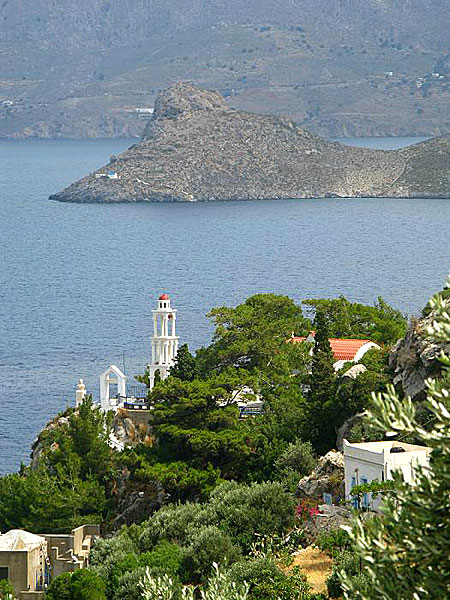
(164, 339)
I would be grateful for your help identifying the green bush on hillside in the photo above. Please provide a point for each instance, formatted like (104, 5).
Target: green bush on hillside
(83, 584)
(207, 545)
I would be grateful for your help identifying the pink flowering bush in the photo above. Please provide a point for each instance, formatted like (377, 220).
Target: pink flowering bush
(306, 510)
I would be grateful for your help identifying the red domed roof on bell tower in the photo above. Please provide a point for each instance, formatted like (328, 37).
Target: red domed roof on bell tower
(164, 297)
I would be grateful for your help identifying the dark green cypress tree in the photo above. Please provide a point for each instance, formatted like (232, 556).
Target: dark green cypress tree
(322, 388)
(185, 365)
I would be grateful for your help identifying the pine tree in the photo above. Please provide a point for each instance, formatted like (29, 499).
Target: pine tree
(404, 552)
(322, 388)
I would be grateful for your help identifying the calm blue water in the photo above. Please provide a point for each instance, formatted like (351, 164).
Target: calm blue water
(78, 282)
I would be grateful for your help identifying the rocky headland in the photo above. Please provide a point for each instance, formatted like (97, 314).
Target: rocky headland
(196, 148)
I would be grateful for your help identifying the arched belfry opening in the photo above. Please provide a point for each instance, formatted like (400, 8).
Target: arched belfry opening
(164, 339)
(112, 376)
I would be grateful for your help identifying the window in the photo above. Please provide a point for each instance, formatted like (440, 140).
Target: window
(4, 573)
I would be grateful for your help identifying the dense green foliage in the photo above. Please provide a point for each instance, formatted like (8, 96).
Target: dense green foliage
(218, 587)
(185, 366)
(348, 562)
(81, 585)
(267, 581)
(404, 552)
(380, 323)
(252, 334)
(70, 485)
(241, 511)
(322, 388)
(183, 541)
(294, 463)
(200, 437)
(227, 481)
(6, 590)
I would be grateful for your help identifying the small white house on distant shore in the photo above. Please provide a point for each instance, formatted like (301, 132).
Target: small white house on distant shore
(369, 461)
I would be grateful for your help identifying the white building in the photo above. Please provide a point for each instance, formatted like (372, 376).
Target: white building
(369, 461)
(164, 339)
(113, 382)
(112, 376)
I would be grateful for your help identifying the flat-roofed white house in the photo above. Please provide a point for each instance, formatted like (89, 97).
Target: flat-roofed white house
(369, 461)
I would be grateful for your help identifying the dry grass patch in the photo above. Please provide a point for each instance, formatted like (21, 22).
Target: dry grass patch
(316, 565)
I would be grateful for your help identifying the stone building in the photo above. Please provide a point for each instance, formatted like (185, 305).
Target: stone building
(23, 560)
(30, 561)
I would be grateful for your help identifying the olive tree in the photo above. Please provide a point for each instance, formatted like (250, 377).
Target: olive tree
(404, 550)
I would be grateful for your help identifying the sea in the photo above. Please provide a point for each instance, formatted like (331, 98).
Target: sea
(78, 281)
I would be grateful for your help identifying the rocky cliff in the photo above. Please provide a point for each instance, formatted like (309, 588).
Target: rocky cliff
(415, 357)
(196, 148)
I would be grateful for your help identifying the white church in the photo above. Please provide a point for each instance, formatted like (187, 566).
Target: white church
(164, 352)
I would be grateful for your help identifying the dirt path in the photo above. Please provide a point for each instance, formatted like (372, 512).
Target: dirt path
(316, 565)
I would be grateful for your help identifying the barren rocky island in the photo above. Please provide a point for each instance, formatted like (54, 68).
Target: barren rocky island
(196, 148)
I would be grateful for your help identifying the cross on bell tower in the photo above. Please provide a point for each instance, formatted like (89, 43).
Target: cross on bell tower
(164, 339)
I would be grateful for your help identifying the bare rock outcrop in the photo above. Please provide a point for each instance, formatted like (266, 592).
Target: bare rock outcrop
(415, 357)
(135, 504)
(38, 445)
(196, 148)
(132, 428)
(327, 477)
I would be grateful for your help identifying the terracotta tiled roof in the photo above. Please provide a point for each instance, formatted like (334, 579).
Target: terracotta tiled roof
(342, 349)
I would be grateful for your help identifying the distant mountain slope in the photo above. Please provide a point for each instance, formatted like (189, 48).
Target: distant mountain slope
(340, 67)
(195, 148)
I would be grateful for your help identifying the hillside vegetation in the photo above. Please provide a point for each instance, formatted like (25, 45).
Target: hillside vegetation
(225, 485)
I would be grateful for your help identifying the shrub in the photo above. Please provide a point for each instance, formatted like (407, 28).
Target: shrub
(81, 585)
(333, 542)
(128, 587)
(164, 558)
(6, 590)
(267, 582)
(59, 589)
(219, 587)
(104, 548)
(208, 545)
(294, 463)
(282, 587)
(348, 563)
(298, 456)
(254, 570)
(171, 523)
(87, 585)
(244, 511)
